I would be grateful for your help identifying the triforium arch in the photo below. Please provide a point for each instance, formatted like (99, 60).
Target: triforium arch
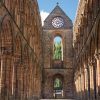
(6, 33)
(6, 57)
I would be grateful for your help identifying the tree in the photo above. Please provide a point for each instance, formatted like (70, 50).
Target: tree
(57, 50)
(57, 84)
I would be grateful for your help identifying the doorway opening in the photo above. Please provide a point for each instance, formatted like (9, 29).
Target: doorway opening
(58, 87)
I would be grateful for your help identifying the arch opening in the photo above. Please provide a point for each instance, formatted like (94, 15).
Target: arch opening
(57, 48)
(58, 86)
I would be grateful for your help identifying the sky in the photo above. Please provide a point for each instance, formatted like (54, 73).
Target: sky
(68, 6)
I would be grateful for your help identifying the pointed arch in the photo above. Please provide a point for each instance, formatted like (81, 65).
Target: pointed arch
(6, 34)
(58, 82)
(6, 48)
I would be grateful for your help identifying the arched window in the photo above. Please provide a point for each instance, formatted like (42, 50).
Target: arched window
(58, 48)
(57, 84)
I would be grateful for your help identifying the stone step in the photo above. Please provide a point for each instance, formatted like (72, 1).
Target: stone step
(57, 99)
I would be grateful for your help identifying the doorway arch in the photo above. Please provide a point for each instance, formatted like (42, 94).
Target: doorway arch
(58, 86)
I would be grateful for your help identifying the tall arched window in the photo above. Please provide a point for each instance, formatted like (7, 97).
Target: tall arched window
(57, 48)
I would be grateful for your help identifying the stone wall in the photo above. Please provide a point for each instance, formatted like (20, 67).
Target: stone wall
(64, 66)
(87, 50)
(20, 50)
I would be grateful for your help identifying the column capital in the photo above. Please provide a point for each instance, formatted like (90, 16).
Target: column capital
(97, 56)
(92, 61)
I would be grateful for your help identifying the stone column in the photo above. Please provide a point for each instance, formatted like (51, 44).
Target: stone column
(13, 75)
(83, 85)
(93, 67)
(22, 82)
(91, 82)
(76, 86)
(15, 81)
(79, 86)
(5, 78)
(97, 56)
(87, 81)
(9, 76)
(1, 69)
(94, 78)
(3, 81)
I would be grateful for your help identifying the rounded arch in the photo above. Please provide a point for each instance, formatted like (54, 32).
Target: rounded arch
(58, 34)
(58, 82)
(57, 48)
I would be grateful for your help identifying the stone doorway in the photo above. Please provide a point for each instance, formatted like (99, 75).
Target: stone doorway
(58, 86)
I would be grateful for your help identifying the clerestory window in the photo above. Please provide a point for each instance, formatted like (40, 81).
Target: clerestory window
(57, 48)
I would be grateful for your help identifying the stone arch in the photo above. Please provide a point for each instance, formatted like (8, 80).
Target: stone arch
(6, 34)
(17, 66)
(6, 39)
(26, 69)
(58, 85)
(58, 76)
(58, 34)
(58, 46)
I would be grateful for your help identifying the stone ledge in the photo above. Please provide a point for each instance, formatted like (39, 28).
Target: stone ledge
(57, 99)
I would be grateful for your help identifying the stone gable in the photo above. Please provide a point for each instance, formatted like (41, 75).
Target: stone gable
(57, 12)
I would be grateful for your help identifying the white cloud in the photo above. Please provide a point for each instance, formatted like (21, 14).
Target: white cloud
(43, 14)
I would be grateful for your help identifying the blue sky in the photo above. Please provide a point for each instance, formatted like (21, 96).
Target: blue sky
(69, 7)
